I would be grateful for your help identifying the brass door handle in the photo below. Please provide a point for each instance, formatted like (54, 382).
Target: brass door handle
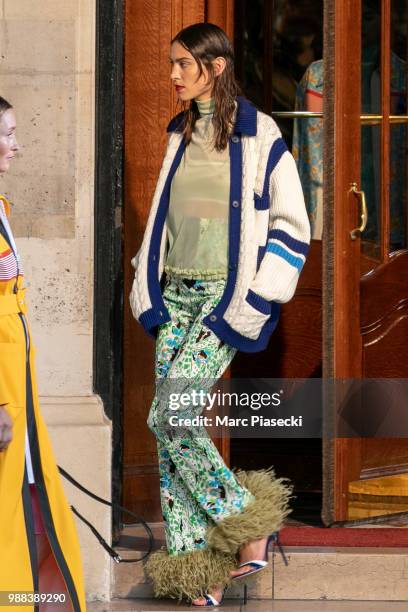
(364, 215)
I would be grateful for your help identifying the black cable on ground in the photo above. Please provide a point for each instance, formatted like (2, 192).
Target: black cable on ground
(115, 556)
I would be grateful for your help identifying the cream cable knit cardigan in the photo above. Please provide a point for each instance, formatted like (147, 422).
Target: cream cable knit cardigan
(269, 234)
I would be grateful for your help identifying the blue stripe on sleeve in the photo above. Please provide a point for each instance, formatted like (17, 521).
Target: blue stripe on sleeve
(291, 243)
(277, 249)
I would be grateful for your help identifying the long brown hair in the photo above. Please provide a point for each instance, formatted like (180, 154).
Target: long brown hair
(205, 42)
(4, 106)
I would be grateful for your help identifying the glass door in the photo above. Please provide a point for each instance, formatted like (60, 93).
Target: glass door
(383, 129)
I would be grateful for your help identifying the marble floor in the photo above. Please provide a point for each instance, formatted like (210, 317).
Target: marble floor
(149, 605)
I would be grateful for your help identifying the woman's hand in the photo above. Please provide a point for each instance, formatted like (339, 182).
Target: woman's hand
(6, 428)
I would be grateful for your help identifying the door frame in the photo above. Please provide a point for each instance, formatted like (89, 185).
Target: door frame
(341, 357)
(341, 256)
(108, 227)
(108, 243)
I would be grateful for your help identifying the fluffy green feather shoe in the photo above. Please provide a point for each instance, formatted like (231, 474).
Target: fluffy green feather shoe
(259, 519)
(190, 575)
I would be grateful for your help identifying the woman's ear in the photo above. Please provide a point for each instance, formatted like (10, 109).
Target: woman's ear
(219, 64)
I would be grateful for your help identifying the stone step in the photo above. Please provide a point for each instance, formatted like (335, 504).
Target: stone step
(344, 573)
(312, 573)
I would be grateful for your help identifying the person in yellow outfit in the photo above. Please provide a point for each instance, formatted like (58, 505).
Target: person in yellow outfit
(39, 547)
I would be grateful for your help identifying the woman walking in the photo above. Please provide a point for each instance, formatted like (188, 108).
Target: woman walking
(39, 548)
(229, 228)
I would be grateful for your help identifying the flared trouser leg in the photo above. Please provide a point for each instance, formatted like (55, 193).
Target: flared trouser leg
(196, 486)
(198, 492)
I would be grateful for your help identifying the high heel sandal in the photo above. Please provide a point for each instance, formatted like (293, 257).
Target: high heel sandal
(210, 601)
(259, 564)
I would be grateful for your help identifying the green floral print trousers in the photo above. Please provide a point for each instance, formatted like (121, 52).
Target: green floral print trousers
(197, 489)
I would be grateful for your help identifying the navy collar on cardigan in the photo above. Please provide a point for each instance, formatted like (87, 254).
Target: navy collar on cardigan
(245, 120)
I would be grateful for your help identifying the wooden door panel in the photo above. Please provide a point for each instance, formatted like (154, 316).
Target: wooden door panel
(394, 457)
(384, 330)
(385, 348)
(384, 319)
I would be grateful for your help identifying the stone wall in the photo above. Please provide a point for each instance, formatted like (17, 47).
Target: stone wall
(47, 71)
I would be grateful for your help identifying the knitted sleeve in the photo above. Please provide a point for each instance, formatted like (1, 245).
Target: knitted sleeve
(289, 230)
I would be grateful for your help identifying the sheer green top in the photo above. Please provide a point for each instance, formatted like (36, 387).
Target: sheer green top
(197, 219)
